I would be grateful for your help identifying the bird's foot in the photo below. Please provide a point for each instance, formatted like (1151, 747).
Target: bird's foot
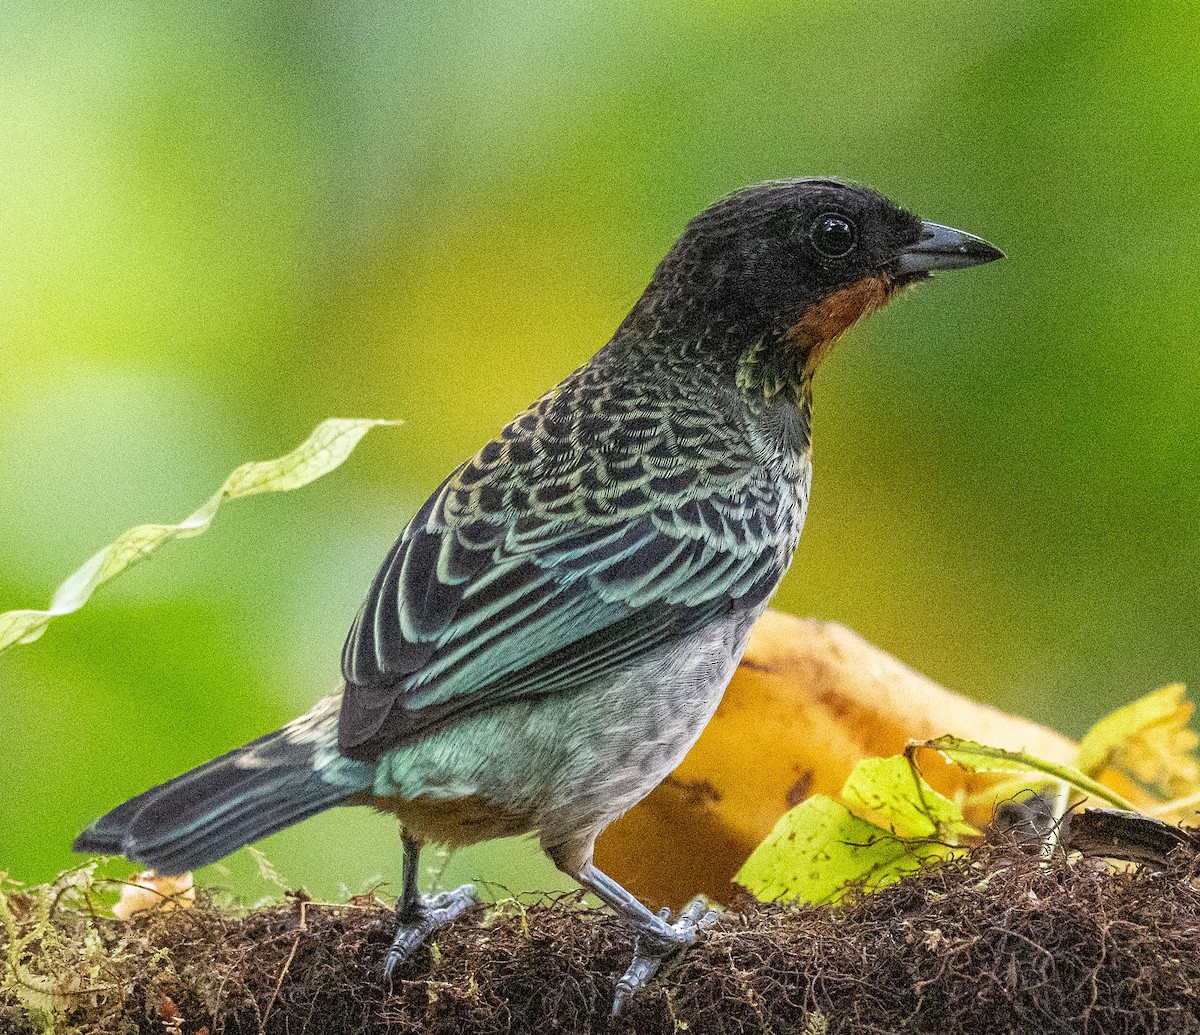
(419, 922)
(656, 944)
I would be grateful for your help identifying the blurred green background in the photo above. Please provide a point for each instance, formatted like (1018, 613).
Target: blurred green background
(223, 222)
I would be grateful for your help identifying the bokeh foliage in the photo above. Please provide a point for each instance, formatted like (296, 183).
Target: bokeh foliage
(222, 222)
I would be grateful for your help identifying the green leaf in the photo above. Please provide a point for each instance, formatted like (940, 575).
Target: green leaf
(893, 790)
(981, 758)
(324, 450)
(820, 847)
(1149, 739)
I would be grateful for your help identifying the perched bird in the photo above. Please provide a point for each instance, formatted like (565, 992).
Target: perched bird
(554, 628)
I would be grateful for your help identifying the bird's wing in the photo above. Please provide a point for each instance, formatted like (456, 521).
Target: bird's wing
(558, 554)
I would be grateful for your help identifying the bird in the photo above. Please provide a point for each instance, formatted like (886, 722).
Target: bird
(556, 625)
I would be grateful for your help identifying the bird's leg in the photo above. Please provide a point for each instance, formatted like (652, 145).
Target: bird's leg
(657, 936)
(417, 915)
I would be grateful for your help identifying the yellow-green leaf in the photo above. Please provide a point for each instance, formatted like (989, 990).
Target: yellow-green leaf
(892, 790)
(820, 847)
(981, 758)
(325, 449)
(1149, 739)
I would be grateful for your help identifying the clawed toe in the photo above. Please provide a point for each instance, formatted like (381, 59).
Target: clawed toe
(451, 903)
(699, 915)
(416, 925)
(656, 944)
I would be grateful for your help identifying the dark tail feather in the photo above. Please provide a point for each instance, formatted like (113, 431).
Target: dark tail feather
(205, 814)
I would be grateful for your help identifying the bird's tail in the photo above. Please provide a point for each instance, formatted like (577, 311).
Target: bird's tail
(253, 791)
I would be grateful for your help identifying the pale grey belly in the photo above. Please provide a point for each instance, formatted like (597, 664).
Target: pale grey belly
(567, 765)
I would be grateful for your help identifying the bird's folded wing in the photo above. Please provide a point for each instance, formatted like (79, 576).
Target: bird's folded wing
(482, 601)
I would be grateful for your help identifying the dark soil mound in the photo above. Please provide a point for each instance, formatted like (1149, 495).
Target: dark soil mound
(990, 944)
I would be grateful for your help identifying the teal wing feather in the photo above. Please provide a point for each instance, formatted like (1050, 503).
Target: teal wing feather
(597, 527)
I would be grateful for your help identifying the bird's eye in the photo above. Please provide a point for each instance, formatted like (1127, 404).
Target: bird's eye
(833, 236)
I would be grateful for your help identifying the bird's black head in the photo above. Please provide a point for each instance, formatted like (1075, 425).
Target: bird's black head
(794, 262)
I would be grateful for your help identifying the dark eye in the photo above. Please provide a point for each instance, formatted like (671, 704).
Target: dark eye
(833, 236)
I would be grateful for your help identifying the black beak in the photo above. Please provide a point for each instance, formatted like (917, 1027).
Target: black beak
(943, 248)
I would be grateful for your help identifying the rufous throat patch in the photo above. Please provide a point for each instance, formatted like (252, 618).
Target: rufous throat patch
(823, 322)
